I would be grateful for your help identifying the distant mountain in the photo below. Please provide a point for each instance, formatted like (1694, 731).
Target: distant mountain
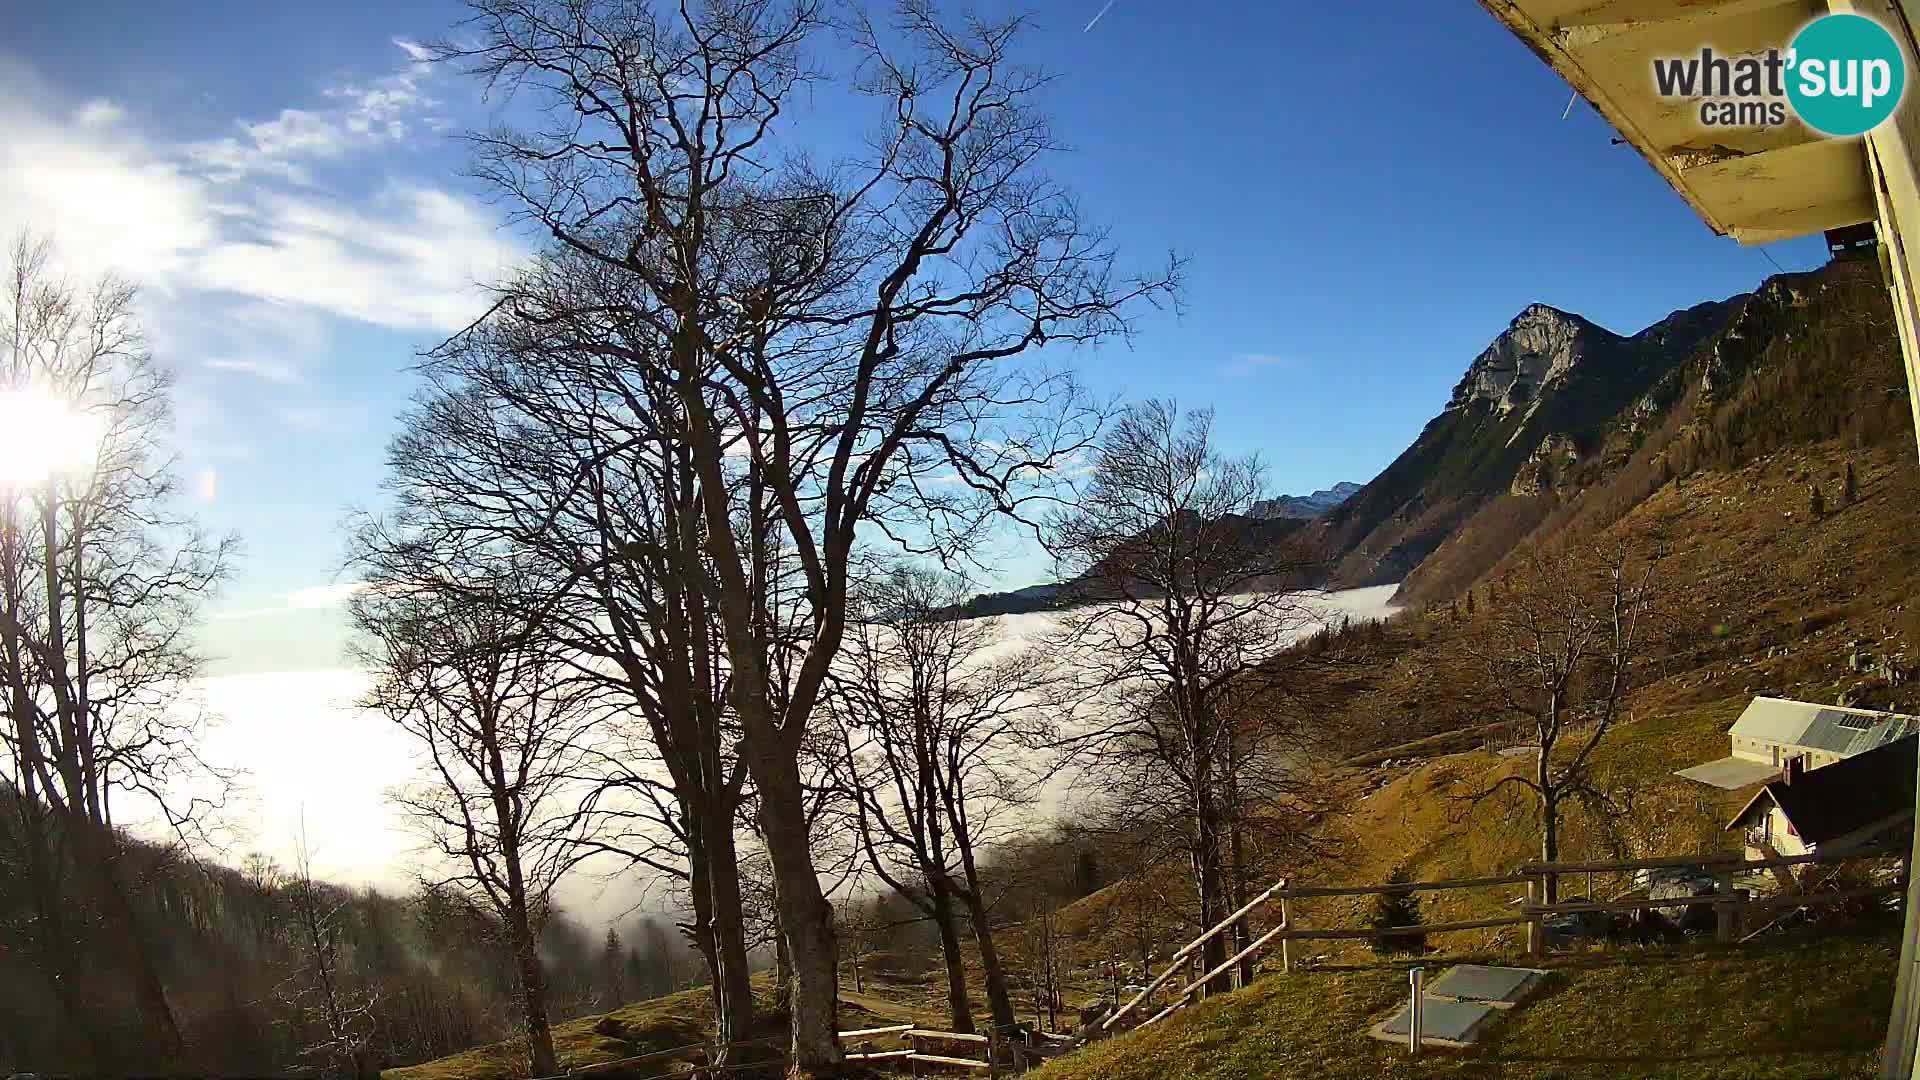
(1306, 506)
(1535, 398)
(1261, 532)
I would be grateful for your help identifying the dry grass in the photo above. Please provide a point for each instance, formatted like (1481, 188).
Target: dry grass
(1807, 1008)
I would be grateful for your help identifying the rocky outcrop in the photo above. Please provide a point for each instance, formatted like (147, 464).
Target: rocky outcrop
(1551, 461)
(1537, 351)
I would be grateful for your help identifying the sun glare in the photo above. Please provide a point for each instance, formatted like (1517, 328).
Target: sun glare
(42, 435)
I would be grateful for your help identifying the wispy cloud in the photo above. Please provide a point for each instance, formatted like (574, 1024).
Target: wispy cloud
(312, 598)
(1243, 365)
(241, 224)
(361, 115)
(275, 371)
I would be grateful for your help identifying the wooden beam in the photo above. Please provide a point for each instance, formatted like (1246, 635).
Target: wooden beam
(1592, 22)
(866, 1033)
(1411, 886)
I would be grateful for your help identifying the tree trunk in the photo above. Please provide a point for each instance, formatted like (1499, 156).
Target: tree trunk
(1242, 933)
(732, 992)
(1209, 879)
(533, 983)
(958, 1008)
(999, 998)
(533, 1001)
(1549, 818)
(1550, 845)
(1237, 864)
(806, 918)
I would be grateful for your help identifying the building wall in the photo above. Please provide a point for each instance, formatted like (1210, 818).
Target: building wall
(1778, 838)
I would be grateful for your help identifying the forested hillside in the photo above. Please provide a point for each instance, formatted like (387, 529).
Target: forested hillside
(271, 971)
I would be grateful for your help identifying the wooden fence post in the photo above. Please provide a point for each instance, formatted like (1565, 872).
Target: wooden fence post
(1536, 937)
(1723, 912)
(1286, 944)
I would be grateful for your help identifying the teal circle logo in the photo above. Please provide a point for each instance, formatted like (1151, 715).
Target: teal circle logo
(1846, 74)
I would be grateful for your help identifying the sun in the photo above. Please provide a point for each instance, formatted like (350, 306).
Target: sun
(42, 436)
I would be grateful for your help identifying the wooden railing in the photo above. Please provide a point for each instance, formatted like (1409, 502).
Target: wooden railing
(919, 1046)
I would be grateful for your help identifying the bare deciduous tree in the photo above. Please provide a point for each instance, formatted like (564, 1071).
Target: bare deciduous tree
(837, 338)
(1569, 639)
(319, 982)
(460, 669)
(101, 579)
(943, 729)
(1186, 596)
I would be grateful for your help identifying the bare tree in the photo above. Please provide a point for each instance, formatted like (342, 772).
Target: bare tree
(502, 726)
(1186, 596)
(837, 337)
(944, 729)
(527, 438)
(320, 982)
(1046, 949)
(1568, 640)
(101, 579)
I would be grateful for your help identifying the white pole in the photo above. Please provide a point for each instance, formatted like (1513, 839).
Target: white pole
(1414, 1007)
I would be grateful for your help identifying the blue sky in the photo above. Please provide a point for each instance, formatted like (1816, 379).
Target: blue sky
(1366, 194)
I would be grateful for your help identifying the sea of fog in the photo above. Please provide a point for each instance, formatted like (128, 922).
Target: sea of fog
(312, 764)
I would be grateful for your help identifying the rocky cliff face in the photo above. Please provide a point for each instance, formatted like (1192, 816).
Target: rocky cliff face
(1536, 353)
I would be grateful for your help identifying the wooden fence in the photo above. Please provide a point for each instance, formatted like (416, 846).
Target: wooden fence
(1731, 907)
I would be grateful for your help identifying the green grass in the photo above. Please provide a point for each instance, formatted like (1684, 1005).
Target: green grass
(1812, 1007)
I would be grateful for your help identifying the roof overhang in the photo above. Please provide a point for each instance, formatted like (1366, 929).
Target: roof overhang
(1757, 185)
(1730, 773)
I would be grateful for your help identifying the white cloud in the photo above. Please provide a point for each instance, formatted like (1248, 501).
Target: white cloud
(307, 418)
(98, 113)
(311, 598)
(113, 201)
(364, 115)
(241, 217)
(413, 258)
(1244, 364)
(276, 371)
(415, 51)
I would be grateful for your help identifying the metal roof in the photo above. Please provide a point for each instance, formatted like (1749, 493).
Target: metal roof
(1828, 728)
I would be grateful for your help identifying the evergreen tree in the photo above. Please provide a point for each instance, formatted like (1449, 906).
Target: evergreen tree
(1469, 603)
(1394, 909)
(613, 970)
(1816, 502)
(1086, 872)
(1849, 487)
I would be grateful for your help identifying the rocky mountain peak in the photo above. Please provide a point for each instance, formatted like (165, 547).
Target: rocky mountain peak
(1538, 349)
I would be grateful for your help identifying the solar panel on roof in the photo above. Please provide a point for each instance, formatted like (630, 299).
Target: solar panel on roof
(1856, 721)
